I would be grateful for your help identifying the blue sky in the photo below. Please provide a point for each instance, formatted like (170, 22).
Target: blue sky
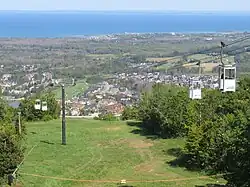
(184, 5)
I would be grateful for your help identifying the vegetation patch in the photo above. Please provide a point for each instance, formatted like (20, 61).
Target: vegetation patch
(91, 155)
(72, 91)
(218, 124)
(164, 59)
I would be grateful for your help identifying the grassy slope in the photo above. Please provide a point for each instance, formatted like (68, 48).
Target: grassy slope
(99, 151)
(71, 91)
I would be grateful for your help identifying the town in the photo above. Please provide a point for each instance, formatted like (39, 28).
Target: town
(109, 79)
(108, 96)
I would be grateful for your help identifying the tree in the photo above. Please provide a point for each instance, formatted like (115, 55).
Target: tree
(29, 113)
(163, 109)
(220, 144)
(6, 113)
(11, 148)
(218, 141)
(139, 59)
(11, 151)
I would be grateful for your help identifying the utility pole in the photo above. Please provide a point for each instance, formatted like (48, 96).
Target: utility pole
(63, 116)
(199, 69)
(200, 113)
(221, 57)
(200, 100)
(221, 52)
(63, 110)
(19, 123)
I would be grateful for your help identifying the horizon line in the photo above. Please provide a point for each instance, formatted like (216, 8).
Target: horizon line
(121, 10)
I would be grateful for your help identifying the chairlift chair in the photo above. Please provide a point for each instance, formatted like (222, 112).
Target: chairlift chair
(44, 106)
(227, 78)
(38, 104)
(195, 89)
(73, 82)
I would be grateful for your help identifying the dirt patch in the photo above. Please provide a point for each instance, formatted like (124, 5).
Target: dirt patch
(166, 175)
(103, 144)
(153, 167)
(145, 167)
(113, 128)
(134, 143)
(18, 185)
(140, 144)
(110, 128)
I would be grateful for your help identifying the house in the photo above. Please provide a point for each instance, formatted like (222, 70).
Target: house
(114, 109)
(14, 104)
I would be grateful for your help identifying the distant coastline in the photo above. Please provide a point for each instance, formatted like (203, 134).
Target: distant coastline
(53, 24)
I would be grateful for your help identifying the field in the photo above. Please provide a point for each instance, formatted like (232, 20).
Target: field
(71, 91)
(205, 61)
(164, 59)
(100, 151)
(208, 67)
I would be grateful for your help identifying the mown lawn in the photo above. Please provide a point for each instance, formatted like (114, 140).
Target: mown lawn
(98, 150)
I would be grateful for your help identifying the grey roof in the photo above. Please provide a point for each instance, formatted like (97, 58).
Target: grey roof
(14, 104)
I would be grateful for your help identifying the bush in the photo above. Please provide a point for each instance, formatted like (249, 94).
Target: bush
(218, 141)
(96, 118)
(163, 111)
(47, 117)
(107, 117)
(221, 142)
(29, 113)
(130, 113)
(11, 150)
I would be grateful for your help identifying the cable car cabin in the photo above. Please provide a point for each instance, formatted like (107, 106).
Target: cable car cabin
(195, 89)
(44, 106)
(37, 104)
(227, 78)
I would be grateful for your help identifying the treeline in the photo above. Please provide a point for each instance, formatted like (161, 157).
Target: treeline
(11, 142)
(216, 128)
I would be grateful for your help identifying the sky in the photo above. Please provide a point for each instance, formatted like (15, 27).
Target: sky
(182, 5)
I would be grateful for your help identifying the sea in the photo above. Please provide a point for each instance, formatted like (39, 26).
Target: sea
(48, 24)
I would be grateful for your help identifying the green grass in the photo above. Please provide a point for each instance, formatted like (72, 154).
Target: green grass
(72, 91)
(205, 58)
(163, 67)
(99, 150)
(101, 55)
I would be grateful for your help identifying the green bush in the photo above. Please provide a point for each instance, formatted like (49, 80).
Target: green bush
(11, 150)
(107, 117)
(29, 113)
(130, 113)
(47, 117)
(163, 111)
(216, 128)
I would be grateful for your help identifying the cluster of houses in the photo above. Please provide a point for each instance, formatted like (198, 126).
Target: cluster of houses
(112, 95)
(101, 98)
(109, 96)
(29, 83)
